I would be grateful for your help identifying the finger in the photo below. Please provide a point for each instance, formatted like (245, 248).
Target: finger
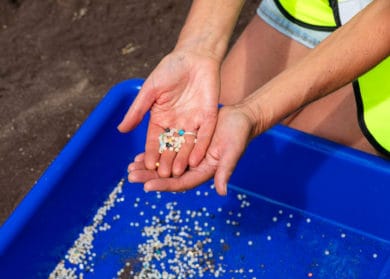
(138, 172)
(142, 176)
(140, 165)
(188, 180)
(152, 154)
(204, 136)
(181, 161)
(142, 103)
(165, 163)
(139, 157)
(225, 168)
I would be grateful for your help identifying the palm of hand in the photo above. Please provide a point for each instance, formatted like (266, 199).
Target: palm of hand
(182, 93)
(231, 136)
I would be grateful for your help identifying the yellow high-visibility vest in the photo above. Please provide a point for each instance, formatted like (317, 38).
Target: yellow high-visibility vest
(372, 89)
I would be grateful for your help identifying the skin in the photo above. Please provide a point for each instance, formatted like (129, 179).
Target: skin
(283, 81)
(183, 90)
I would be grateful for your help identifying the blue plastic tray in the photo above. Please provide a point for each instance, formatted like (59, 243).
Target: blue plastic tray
(298, 207)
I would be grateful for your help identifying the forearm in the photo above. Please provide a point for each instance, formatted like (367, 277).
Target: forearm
(209, 26)
(346, 54)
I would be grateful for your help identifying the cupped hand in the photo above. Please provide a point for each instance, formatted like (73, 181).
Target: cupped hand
(233, 131)
(181, 93)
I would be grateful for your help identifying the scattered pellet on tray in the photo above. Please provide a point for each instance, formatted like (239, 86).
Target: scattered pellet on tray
(180, 240)
(199, 235)
(176, 250)
(79, 258)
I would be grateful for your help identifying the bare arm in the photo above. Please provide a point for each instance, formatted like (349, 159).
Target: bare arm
(206, 33)
(183, 90)
(347, 53)
(350, 51)
(209, 26)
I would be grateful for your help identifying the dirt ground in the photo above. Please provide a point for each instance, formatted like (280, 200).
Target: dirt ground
(58, 58)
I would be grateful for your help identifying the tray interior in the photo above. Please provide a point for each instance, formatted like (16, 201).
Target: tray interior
(312, 208)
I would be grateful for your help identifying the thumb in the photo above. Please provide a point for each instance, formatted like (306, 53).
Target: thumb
(228, 144)
(229, 157)
(141, 105)
(226, 166)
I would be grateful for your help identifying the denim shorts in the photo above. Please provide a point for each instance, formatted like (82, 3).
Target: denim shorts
(270, 13)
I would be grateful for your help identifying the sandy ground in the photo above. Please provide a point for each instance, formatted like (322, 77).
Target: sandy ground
(58, 58)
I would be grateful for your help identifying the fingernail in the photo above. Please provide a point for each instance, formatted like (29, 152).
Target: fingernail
(148, 187)
(222, 190)
(225, 189)
(130, 178)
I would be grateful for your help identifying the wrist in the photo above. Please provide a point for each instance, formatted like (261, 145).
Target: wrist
(269, 105)
(203, 43)
(253, 117)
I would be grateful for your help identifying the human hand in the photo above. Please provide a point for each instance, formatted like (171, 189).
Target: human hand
(181, 93)
(233, 131)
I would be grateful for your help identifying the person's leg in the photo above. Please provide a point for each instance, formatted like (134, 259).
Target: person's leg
(335, 118)
(259, 54)
(262, 52)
